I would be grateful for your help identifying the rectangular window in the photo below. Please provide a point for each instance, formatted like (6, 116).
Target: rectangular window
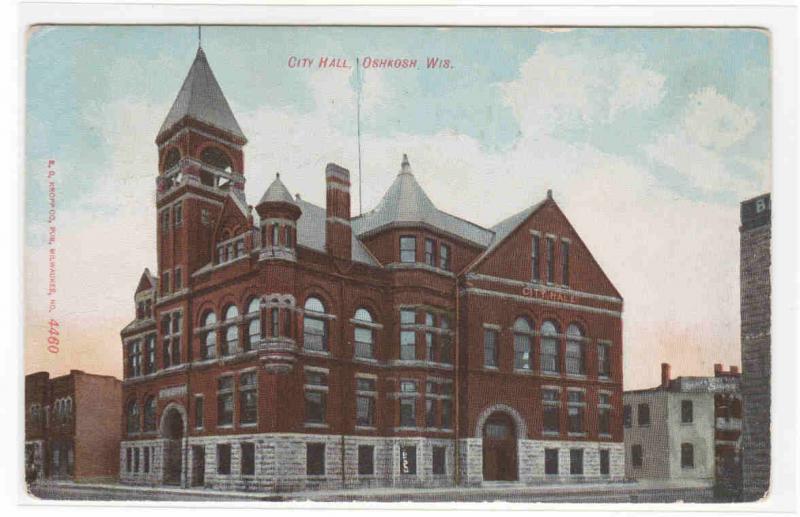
(575, 411)
(490, 348)
(366, 460)
(551, 462)
(165, 282)
(535, 274)
(439, 458)
(603, 360)
(576, 462)
(275, 322)
(551, 411)
(248, 398)
(248, 459)
(165, 219)
(150, 354)
(408, 249)
(447, 414)
(643, 413)
(205, 216)
(430, 252)
(637, 455)
(408, 345)
(177, 212)
(605, 462)
(408, 412)
(199, 412)
(136, 459)
(687, 412)
(365, 411)
(604, 413)
(128, 459)
(444, 257)
(178, 279)
(564, 263)
(551, 266)
(627, 417)
(408, 459)
(225, 400)
(430, 412)
(315, 407)
(146, 466)
(687, 456)
(223, 458)
(315, 459)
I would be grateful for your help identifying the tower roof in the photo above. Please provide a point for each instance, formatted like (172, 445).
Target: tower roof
(277, 193)
(202, 99)
(407, 203)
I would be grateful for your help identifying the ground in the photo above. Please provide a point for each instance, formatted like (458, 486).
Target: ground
(643, 492)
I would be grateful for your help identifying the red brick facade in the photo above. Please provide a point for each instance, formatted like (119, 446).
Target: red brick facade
(231, 300)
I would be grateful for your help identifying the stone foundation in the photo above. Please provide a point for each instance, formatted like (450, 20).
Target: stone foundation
(280, 462)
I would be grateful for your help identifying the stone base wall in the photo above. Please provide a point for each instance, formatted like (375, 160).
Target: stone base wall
(280, 462)
(37, 459)
(143, 473)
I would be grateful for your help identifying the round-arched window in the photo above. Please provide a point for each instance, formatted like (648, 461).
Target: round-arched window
(363, 335)
(576, 351)
(549, 348)
(231, 331)
(150, 414)
(254, 325)
(315, 328)
(209, 319)
(523, 344)
(172, 159)
(133, 417)
(216, 158)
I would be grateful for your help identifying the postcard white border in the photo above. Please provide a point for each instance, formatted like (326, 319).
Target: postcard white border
(779, 20)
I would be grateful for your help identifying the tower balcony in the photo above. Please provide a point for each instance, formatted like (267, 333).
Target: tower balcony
(192, 171)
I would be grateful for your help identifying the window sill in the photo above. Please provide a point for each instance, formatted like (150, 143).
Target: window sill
(604, 436)
(318, 353)
(315, 425)
(523, 371)
(551, 433)
(552, 375)
(369, 428)
(579, 376)
(225, 426)
(249, 424)
(367, 360)
(491, 368)
(577, 435)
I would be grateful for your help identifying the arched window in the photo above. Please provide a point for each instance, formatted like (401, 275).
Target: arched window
(133, 417)
(231, 330)
(254, 326)
(523, 344)
(576, 351)
(150, 414)
(363, 334)
(315, 327)
(209, 319)
(210, 336)
(549, 348)
(172, 159)
(216, 158)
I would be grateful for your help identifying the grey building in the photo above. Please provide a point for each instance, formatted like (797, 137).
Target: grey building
(755, 259)
(677, 430)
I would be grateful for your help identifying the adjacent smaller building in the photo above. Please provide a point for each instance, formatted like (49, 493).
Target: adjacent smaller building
(688, 428)
(72, 426)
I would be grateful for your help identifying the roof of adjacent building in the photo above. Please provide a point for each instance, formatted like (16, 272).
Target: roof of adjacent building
(201, 98)
(311, 233)
(696, 384)
(407, 203)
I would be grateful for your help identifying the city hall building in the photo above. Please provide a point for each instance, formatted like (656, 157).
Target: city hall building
(292, 346)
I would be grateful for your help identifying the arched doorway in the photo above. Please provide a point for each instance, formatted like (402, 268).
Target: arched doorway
(172, 429)
(499, 448)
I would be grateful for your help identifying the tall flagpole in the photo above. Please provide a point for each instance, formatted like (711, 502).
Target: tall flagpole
(358, 129)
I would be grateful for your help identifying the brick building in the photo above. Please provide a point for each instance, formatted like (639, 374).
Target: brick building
(294, 346)
(66, 425)
(688, 428)
(755, 239)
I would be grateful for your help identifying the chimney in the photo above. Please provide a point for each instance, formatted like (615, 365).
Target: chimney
(337, 223)
(734, 370)
(665, 375)
(717, 368)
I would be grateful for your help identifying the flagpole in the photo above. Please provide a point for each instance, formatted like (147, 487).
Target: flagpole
(358, 129)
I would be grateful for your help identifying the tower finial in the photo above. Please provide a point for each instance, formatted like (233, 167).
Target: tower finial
(405, 166)
(277, 175)
(199, 36)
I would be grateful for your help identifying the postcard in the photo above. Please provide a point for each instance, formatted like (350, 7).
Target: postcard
(397, 263)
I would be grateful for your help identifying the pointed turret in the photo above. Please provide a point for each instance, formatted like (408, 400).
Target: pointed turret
(279, 213)
(201, 99)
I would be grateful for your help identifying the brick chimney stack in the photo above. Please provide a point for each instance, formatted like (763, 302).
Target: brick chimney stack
(718, 368)
(338, 233)
(665, 375)
(735, 370)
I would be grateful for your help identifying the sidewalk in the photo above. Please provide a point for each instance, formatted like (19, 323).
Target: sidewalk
(616, 492)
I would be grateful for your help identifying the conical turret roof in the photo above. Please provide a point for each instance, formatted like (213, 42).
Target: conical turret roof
(201, 98)
(277, 193)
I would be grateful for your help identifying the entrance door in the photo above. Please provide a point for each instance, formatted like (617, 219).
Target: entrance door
(499, 448)
(198, 465)
(172, 429)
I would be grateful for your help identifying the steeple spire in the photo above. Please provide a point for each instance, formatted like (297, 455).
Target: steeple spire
(405, 166)
(201, 99)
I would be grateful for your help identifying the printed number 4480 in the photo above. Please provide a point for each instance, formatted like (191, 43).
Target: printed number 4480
(52, 340)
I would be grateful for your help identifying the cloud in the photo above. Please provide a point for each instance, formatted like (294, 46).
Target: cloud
(697, 147)
(557, 89)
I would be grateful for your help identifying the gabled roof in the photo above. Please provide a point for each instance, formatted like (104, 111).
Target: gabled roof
(146, 281)
(311, 233)
(407, 203)
(277, 193)
(202, 99)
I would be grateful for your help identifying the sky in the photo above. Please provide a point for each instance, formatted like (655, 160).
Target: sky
(649, 139)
